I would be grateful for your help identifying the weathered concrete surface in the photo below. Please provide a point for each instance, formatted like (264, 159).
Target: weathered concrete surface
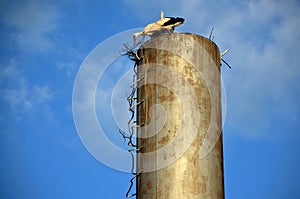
(180, 73)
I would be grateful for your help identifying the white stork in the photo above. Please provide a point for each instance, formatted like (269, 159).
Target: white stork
(164, 25)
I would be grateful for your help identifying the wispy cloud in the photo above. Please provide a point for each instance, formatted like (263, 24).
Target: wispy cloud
(71, 60)
(24, 99)
(14, 87)
(32, 23)
(265, 69)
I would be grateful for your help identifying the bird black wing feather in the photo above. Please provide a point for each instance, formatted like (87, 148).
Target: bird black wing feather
(173, 20)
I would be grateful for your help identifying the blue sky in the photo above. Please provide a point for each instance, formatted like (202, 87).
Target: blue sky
(43, 44)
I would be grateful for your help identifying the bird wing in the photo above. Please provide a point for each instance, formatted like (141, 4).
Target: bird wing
(172, 21)
(154, 30)
(162, 21)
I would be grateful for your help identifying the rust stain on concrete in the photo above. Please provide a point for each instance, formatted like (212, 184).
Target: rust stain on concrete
(188, 177)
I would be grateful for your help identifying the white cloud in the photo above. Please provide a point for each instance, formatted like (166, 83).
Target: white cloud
(263, 40)
(41, 94)
(33, 22)
(265, 67)
(71, 60)
(24, 100)
(112, 93)
(15, 91)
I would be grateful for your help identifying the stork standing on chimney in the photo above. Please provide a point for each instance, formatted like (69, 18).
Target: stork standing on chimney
(162, 26)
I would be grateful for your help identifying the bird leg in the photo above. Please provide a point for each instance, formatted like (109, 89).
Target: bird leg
(170, 31)
(134, 39)
(143, 37)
